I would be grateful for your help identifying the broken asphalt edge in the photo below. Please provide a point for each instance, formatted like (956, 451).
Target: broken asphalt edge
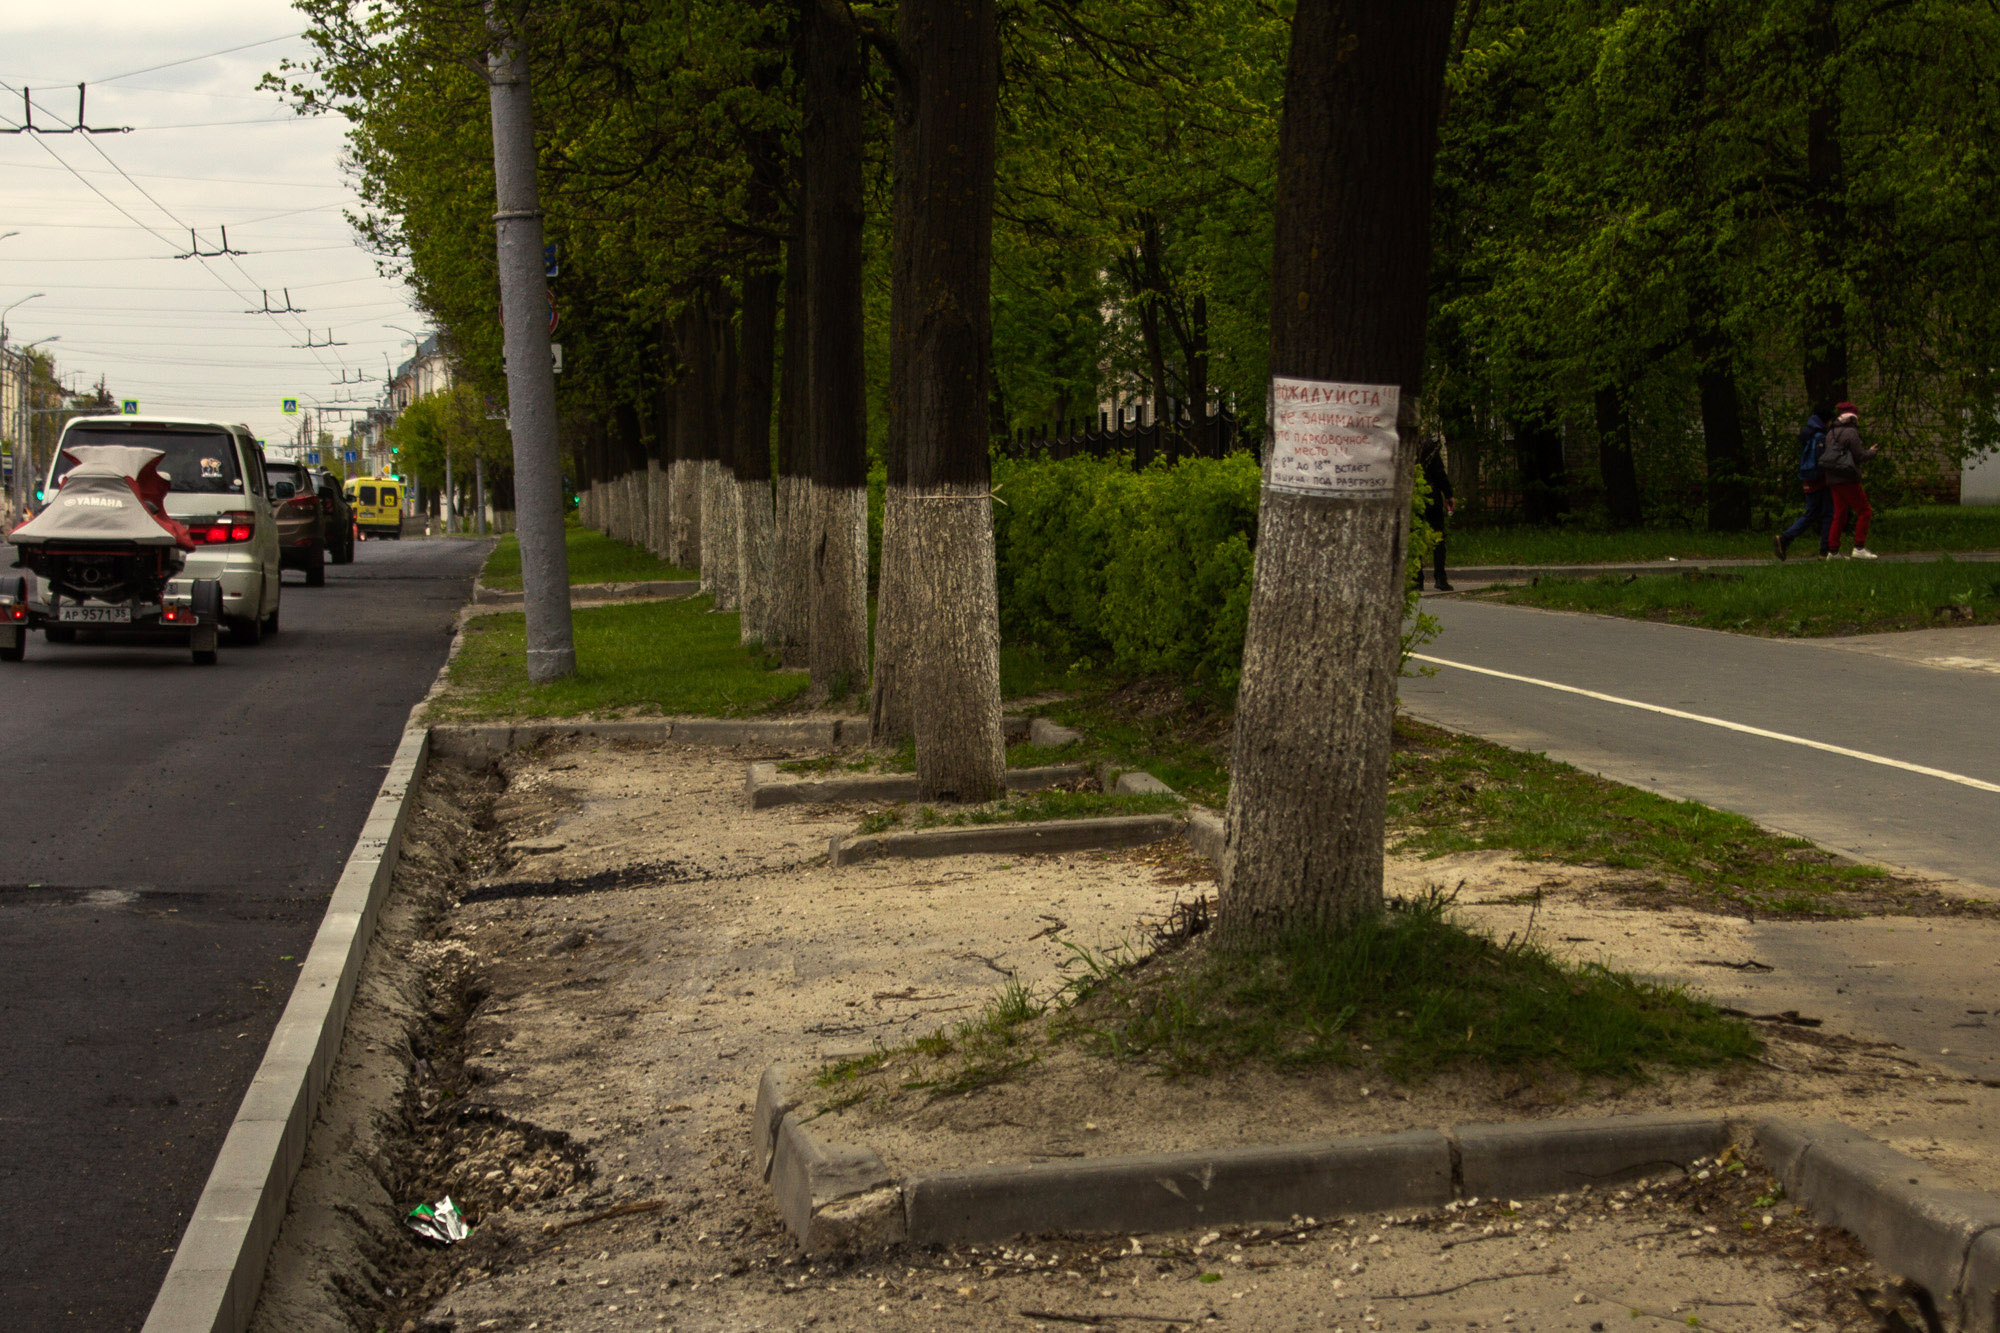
(217, 1270)
(841, 1198)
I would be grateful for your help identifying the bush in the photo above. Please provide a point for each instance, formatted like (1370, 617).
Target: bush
(1147, 573)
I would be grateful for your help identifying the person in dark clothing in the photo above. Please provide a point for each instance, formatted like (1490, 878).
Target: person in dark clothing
(1812, 477)
(1842, 458)
(1438, 508)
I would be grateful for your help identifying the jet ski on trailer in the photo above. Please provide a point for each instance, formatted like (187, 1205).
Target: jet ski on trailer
(105, 552)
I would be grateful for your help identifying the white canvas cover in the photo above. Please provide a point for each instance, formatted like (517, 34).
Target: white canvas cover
(97, 502)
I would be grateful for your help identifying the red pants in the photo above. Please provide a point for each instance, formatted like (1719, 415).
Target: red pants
(1848, 498)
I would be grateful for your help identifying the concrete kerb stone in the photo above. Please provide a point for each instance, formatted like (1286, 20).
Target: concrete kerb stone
(765, 786)
(1548, 1157)
(1028, 839)
(1913, 1222)
(1175, 1191)
(1979, 1308)
(483, 742)
(218, 1268)
(483, 595)
(835, 1197)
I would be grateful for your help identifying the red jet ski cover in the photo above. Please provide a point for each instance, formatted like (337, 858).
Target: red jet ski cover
(115, 493)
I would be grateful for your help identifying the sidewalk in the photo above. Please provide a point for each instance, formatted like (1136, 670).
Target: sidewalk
(1476, 575)
(612, 947)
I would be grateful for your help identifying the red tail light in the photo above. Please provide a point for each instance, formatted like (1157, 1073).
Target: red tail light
(14, 611)
(177, 615)
(223, 529)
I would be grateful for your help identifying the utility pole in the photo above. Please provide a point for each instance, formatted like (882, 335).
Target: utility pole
(531, 382)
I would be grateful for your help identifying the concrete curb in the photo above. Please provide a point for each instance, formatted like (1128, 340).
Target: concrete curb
(218, 1269)
(832, 1195)
(1913, 1222)
(1056, 835)
(483, 742)
(1512, 573)
(764, 786)
(483, 595)
(838, 1197)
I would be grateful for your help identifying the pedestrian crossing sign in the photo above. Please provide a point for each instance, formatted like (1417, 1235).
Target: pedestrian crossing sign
(291, 407)
(130, 407)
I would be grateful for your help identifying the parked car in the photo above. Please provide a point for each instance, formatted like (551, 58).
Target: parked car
(301, 520)
(339, 517)
(216, 487)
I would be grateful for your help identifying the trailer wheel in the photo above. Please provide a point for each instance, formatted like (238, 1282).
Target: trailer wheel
(13, 645)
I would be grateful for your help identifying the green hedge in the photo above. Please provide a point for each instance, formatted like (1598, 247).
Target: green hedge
(1146, 573)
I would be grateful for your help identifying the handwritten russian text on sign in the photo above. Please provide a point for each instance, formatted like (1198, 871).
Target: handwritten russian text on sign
(1333, 439)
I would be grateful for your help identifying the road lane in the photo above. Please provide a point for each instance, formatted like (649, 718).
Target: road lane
(1911, 983)
(173, 833)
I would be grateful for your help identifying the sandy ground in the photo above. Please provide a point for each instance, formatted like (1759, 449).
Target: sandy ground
(590, 957)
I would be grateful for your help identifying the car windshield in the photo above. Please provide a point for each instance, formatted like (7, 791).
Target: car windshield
(287, 480)
(199, 461)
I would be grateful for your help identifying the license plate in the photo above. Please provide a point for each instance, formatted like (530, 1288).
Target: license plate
(94, 615)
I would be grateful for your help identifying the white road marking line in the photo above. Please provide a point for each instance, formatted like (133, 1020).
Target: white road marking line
(1960, 778)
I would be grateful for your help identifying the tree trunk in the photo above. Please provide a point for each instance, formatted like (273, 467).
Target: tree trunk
(632, 451)
(1538, 451)
(1825, 333)
(691, 424)
(889, 722)
(1729, 493)
(836, 420)
(755, 521)
(660, 541)
(720, 552)
(1350, 275)
(1614, 458)
(944, 212)
(788, 632)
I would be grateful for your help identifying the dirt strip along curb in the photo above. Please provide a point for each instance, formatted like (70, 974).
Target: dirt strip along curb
(217, 1270)
(1028, 839)
(1912, 1221)
(481, 594)
(765, 786)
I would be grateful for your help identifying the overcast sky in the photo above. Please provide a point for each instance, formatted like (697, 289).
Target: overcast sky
(208, 149)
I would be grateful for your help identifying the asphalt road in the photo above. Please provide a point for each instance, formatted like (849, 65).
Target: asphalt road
(1929, 700)
(172, 834)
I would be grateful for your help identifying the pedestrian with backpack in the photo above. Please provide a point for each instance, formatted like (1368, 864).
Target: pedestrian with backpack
(1812, 477)
(1841, 460)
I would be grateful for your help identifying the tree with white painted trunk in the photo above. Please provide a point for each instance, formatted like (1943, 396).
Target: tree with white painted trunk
(721, 551)
(831, 139)
(756, 518)
(788, 627)
(1350, 271)
(948, 72)
(691, 421)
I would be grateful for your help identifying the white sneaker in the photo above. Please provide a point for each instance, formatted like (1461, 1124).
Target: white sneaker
(1861, 553)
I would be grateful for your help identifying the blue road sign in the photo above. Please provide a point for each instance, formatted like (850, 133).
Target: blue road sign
(551, 264)
(312, 456)
(290, 407)
(354, 455)
(130, 407)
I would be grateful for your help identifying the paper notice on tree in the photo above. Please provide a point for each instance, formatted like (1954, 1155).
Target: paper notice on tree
(1333, 439)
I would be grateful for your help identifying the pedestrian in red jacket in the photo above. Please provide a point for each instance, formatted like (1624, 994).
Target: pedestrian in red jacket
(1842, 459)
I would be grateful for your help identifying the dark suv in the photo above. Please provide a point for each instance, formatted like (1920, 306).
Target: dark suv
(295, 503)
(339, 516)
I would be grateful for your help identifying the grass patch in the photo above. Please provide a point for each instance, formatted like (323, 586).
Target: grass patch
(1796, 600)
(1411, 992)
(985, 1049)
(644, 658)
(1911, 528)
(1450, 793)
(593, 558)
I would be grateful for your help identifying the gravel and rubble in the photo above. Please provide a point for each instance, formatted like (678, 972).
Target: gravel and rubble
(592, 951)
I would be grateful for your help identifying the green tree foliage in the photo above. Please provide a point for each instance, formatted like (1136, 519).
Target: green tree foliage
(450, 425)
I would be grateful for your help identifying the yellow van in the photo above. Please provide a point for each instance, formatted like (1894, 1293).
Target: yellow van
(378, 505)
